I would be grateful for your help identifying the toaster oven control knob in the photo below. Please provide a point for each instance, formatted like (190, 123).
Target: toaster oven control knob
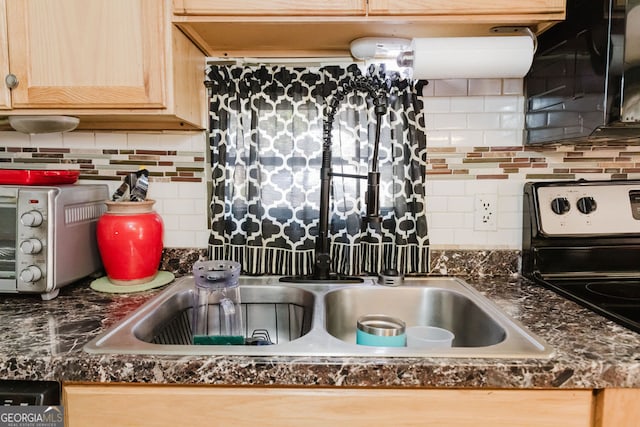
(586, 204)
(31, 274)
(31, 219)
(31, 246)
(560, 205)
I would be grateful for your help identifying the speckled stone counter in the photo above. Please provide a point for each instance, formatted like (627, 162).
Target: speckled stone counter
(43, 340)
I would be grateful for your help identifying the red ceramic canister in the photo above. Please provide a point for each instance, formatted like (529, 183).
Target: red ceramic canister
(129, 238)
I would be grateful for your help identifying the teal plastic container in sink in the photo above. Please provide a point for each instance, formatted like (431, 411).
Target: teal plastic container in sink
(379, 330)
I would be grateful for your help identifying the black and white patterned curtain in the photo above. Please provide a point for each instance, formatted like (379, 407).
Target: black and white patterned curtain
(266, 125)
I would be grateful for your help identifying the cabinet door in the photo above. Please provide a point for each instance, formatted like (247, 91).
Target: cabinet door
(121, 405)
(5, 95)
(617, 407)
(87, 53)
(464, 7)
(269, 7)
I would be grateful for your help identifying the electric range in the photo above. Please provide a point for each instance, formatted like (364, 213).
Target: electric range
(582, 240)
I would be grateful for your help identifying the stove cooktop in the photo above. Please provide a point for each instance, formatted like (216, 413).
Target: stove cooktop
(582, 240)
(616, 299)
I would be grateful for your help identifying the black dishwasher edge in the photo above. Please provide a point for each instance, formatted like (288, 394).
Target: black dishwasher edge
(29, 393)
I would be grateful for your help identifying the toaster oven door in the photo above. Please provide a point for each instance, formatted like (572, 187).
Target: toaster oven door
(8, 208)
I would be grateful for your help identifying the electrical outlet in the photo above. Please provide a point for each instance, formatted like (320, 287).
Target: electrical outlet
(486, 211)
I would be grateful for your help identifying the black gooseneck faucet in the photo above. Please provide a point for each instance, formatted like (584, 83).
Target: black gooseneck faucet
(322, 261)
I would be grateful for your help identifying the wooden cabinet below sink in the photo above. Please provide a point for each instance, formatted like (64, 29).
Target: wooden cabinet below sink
(100, 405)
(617, 407)
(114, 405)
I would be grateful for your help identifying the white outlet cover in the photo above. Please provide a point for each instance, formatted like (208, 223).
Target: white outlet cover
(485, 212)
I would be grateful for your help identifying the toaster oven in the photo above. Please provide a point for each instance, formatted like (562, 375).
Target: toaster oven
(47, 236)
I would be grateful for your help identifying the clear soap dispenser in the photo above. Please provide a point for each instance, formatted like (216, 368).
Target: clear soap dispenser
(217, 310)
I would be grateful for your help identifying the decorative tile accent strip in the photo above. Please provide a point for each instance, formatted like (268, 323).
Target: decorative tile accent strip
(597, 158)
(591, 160)
(108, 164)
(601, 160)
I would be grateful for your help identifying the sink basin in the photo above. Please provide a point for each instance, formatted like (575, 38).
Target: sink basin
(320, 320)
(471, 325)
(278, 314)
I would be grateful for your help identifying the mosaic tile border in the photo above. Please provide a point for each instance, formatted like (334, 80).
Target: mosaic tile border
(109, 164)
(602, 160)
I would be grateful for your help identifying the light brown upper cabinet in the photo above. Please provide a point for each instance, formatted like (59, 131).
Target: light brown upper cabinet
(270, 7)
(5, 95)
(118, 64)
(86, 54)
(464, 7)
(292, 28)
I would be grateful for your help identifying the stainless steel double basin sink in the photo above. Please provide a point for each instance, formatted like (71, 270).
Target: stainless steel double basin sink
(320, 320)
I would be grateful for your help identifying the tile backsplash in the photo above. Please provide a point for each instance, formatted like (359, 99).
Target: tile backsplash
(176, 162)
(477, 165)
(475, 134)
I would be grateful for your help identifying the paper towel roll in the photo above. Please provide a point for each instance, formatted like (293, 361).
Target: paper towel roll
(472, 57)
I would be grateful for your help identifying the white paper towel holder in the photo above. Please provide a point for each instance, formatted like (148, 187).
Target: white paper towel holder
(407, 58)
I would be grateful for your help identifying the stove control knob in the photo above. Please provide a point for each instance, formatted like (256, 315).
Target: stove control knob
(560, 205)
(587, 204)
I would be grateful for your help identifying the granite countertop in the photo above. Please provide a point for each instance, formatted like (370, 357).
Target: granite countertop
(44, 340)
